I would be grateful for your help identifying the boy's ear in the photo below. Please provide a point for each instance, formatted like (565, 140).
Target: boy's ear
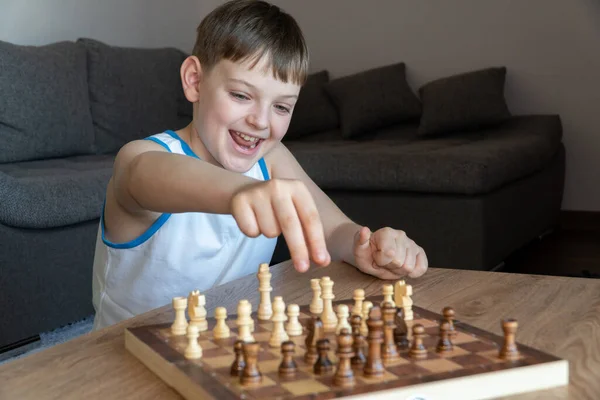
(191, 75)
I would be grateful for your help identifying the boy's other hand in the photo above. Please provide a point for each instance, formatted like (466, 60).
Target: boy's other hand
(283, 206)
(388, 254)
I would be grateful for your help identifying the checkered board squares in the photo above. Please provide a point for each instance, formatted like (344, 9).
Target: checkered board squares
(473, 363)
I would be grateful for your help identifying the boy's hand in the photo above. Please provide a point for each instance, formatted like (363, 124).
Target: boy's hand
(388, 254)
(283, 206)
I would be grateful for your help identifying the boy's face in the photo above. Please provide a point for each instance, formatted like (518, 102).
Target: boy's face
(242, 113)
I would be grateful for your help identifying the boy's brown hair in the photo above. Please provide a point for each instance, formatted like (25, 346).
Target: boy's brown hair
(247, 30)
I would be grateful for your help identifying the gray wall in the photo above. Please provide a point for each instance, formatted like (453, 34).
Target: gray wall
(550, 47)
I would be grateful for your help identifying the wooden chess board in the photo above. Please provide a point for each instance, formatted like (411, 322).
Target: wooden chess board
(472, 370)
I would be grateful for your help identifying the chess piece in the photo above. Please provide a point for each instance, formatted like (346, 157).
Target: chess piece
(364, 329)
(374, 364)
(444, 344)
(316, 305)
(221, 330)
(323, 364)
(197, 310)
(278, 335)
(193, 351)
(358, 342)
(342, 315)
(238, 363)
(359, 297)
(244, 320)
(509, 349)
(448, 313)
(180, 323)
(328, 315)
(418, 350)
(388, 293)
(293, 326)
(251, 374)
(389, 351)
(401, 331)
(344, 375)
(265, 310)
(402, 293)
(288, 367)
(315, 333)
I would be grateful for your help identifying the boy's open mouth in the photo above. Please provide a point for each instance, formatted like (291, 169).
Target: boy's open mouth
(245, 142)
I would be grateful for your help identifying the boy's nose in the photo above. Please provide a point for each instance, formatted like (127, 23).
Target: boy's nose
(259, 119)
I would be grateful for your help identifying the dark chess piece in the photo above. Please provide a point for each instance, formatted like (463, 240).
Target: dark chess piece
(250, 374)
(374, 364)
(288, 367)
(238, 364)
(444, 344)
(448, 313)
(323, 364)
(389, 352)
(509, 349)
(401, 331)
(418, 350)
(358, 342)
(315, 332)
(344, 375)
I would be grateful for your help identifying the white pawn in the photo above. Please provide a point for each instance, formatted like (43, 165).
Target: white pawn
(197, 310)
(221, 330)
(293, 326)
(193, 350)
(402, 293)
(388, 293)
(343, 313)
(359, 297)
(180, 323)
(243, 321)
(364, 328)
(316, 305)
(278, 335)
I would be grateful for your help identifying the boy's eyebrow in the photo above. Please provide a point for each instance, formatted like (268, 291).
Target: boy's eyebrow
(243, 82)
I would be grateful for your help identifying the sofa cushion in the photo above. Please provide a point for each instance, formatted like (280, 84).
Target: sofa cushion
(314, 112)
(461, 102)
(373, 99)
(53, 193)
(469, 163)
(44, 106)
(134, 92)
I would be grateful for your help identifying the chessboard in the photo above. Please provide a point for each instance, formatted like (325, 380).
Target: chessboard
(422, 355)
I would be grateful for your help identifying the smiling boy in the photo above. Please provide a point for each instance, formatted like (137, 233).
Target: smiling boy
(204, 205)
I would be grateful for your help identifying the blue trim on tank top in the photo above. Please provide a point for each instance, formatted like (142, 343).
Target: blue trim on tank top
(263, 168)
(186, 149)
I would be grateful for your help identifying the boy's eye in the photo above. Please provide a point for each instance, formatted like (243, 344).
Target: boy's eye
(239, 96)
(283, 109)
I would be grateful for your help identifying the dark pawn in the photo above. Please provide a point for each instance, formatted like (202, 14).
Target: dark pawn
(323, 364)
(288, 367)
(374, 364)
(418, 350)
(251, 375)
(509, 350)
(358, 343)
(344, 376)
(389, 352)
(315, 332)
(449, 316)
(401, 331)
(444, 344)
(238, 364)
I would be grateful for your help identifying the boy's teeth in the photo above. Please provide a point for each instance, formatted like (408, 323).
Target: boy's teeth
(246, 137)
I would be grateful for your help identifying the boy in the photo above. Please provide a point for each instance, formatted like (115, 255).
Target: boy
(204, 205)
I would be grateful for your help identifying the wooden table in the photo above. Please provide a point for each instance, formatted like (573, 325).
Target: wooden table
(557, 315)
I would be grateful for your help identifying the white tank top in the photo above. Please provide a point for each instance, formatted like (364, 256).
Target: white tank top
(177, 254)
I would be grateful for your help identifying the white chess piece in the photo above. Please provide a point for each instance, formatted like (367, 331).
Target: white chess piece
(359, 297)
(388, 293)
(402, 293)
(316, 305)
(221, 330)
(265, 309)
(197, 310)
(364, 328)
(343, 313)
(328, 315)
(293, 326)
(278, 335)
(180, 323)
(243, 321)
(193, 350)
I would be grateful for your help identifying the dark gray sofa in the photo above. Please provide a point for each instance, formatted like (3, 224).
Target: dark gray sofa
(470, 191)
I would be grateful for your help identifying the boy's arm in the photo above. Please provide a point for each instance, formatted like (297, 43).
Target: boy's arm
(339, 230)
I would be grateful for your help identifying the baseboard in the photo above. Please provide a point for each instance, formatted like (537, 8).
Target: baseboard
(20, 347)
(580, 220)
